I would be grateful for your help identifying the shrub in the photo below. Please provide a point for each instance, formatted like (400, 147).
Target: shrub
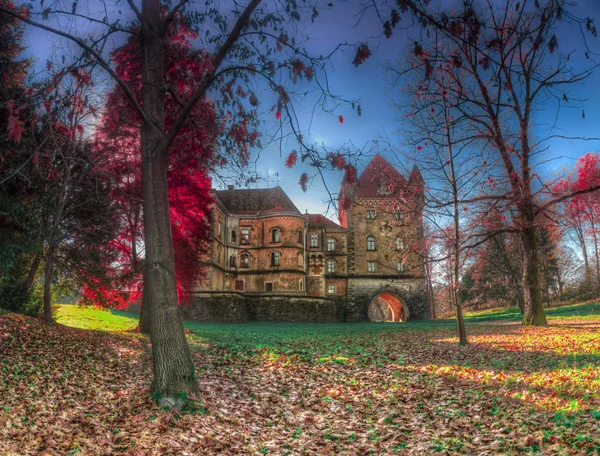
(14, 298)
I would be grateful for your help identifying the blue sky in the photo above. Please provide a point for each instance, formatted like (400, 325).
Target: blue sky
(381, 118)
(368, 83)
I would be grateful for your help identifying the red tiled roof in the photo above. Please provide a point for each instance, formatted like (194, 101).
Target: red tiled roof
(377, 169)
(318, 220)
(256, 201)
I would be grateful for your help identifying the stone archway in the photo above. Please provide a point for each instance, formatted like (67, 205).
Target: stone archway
(387, 307)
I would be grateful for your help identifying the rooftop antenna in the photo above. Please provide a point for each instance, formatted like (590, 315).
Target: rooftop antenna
(275, 177)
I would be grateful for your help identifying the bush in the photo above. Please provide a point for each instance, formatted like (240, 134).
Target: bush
(14, 298)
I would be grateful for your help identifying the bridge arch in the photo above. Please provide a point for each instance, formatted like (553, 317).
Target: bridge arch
(386, 306)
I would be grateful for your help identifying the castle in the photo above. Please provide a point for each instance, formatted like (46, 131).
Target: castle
(268, 261)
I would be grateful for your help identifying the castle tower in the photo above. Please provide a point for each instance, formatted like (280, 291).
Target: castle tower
(382, 213)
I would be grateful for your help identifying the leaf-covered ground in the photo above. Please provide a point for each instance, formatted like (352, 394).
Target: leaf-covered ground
(304, 388)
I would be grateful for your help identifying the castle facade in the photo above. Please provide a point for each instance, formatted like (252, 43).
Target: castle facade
(269, 261)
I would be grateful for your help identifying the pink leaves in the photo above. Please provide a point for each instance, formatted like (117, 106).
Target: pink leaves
(15, 129)
(341, 119)
(291, 159)
(303, 182)
(362, 54)
(278, 115)
(15, 125)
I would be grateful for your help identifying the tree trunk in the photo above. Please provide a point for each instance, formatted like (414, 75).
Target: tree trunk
(144, 322)
(174, 372)
(586, 261)
(35, 265)
(48, 273)
(532, 296)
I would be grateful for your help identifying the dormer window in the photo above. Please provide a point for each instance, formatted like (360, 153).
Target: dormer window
(383, 188)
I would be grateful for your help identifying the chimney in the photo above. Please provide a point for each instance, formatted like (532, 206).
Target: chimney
(230, 187)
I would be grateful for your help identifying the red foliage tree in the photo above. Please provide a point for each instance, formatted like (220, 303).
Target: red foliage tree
(190, 156)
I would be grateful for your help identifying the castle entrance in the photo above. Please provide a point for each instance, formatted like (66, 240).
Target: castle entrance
(387, 307)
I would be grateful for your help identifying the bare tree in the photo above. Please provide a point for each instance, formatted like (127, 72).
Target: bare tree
(505, 63)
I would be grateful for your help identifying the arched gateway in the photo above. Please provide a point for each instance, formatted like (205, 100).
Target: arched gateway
(387, 307)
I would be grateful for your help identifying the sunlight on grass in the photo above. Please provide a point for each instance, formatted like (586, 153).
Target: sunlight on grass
(94, 318)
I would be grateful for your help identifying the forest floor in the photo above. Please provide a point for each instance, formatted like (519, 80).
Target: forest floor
(83, 387)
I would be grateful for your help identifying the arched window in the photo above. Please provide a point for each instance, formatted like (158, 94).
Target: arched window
(300, 259)
(300, 237)
(371, 243)
(275, 258)
(244, 260)
(399, 243)
(330, 244)
(330, 266)
(232, 261)
(275, 235)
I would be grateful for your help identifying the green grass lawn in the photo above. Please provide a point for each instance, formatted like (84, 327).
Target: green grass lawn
(94, 318)
(590, 309)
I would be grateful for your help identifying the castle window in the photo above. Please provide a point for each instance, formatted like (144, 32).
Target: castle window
(275, 235)
(244, 236)
(220, 227)
(232, 261)
(239, 285)
(275, 258)
(218, 254)
(300, 259)
(330, 266)
(244, 260)
(300, 237)
(399, 214)
(371, 243)
(233, 236)
(330, 289)
(400, 266)
(399, 243)
(371, 266)
(371, 213)
(314, 240)
(268, 286)
(301, 285)
(330, 244)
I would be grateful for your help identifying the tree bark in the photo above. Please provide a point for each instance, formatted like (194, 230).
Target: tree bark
(48, 273)
(174, 372)
(35, 265)
(144, 322)
(534, 308)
